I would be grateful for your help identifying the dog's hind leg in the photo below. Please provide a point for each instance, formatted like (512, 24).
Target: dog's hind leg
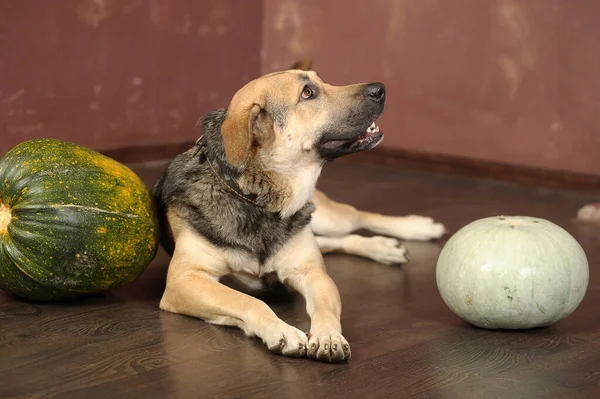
(335, 219)
(380, 249)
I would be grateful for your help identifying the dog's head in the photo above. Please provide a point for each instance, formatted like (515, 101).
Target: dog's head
(292, 118)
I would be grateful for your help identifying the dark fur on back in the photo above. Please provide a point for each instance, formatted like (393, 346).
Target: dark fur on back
(191, 189)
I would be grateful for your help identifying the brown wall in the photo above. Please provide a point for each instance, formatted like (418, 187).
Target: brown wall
(110, 73)
(499, 80)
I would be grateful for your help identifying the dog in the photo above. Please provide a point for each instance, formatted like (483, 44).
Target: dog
(242, 203)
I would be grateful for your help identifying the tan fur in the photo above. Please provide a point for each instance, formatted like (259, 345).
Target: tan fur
(283, 162)
(193, 289)
(280, 164)
(303, 65)
(333, 222)
(237, 131)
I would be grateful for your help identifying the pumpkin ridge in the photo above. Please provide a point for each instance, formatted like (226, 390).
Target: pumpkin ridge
(8, 251)
(83, 207)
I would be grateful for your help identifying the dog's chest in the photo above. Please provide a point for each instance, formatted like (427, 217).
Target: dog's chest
(264, 235)
(261, 235)
(230, 221)
(245, 263)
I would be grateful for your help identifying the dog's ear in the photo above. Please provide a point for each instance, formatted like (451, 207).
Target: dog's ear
(263, 128)
(303, 65)
(238, 131)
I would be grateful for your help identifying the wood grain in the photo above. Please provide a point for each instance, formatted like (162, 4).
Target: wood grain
(405, 341)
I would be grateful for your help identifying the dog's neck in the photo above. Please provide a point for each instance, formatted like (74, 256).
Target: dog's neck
(280, 193)
(257, 184)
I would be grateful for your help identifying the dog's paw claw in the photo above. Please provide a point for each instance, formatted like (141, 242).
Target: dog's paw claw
(287, 341)
(331, 348)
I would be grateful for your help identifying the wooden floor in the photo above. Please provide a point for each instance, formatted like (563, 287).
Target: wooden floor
(405, 341)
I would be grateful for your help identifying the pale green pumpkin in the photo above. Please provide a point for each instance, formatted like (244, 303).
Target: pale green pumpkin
(512, 273)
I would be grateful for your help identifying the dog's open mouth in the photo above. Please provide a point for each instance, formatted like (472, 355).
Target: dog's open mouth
(336, 145)
(371, 132)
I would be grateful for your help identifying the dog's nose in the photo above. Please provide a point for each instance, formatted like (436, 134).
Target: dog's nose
(376, 91)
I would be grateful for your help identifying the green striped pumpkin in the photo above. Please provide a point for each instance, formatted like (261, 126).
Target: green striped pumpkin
(72, 222)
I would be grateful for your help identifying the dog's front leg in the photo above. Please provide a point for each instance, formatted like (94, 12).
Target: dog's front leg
(323, 304)
(193, 289)
(302, 268)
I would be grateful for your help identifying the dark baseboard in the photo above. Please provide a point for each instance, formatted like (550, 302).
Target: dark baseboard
(140, 154)
(478, 168)
(406, 160)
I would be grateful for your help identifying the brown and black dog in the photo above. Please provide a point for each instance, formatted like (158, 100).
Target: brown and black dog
(243, 203)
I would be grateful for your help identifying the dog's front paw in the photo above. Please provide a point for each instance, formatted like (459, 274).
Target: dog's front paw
(422, 228)
(286, 340)
(328, 347)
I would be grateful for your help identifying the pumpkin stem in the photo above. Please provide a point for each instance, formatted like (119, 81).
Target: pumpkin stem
(5, 216)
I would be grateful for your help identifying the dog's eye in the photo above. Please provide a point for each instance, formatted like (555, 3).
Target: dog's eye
(307, 93)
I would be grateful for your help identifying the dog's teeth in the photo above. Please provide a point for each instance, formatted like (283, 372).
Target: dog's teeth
(376, 130)
(372, 125)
